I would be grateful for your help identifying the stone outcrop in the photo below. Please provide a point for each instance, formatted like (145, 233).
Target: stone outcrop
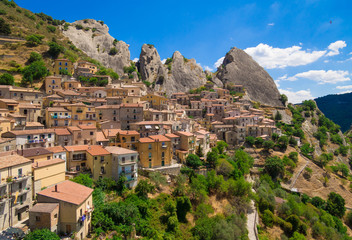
(180, 75)
(150, 66)
(94, 39)
(239, 68)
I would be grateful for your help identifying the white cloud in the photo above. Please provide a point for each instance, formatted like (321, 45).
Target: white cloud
(271, 24)
(270, 57)
(344, 87)
(297, 97)
(277, 82)
(207, 68)
(163, 61)
(348, 91)
(135, 60)
(321, 76)
(326, 61)
(219, 62)
(335, 48)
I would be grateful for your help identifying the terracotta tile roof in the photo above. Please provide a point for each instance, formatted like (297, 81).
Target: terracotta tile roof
(160, 138)
(87, 126)
(30, 152)
(73, 128)
(100, 137)
(8, 101)
(56, 149)
(56, 109)
(119, 150)
(171, 135)
(146, 140)
(129, 132)
(188, 134)
(44, 207)
(202, 132)
(131, 105)
(31, 131)
(111, 132)
(62, 132)
(34, 124)
(148, 123)
(108, 107)
(76, 148)
(12, 160)
(54, 96)
(97, 150)
(46, 163)
(68, 191)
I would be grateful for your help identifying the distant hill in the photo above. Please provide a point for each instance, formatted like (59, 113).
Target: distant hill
(337, 107)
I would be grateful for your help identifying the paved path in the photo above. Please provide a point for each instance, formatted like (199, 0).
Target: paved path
(300, 171)
(252, 221)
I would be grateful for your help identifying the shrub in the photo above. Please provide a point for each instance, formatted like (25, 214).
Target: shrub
(193, 161)
(55, 49)
(2, 12)
(268, 218)
(348, 219)
(274, 166)
(6, 79)
(51, 29)
(278, 116)
(335, 205)
(147, 83)
(34, 40)
(250, 140)
(79, 26)
(293, 156)
(34, 56)
(268, 145)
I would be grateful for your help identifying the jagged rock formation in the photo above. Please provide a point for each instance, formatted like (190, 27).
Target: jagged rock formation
(239, 68)
(180, 75)
(98, 42)
(150, 66)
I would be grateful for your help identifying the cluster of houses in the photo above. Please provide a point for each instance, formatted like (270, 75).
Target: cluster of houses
(64, 129)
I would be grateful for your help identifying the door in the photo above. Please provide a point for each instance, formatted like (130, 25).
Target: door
(19, 217)
(68, 229)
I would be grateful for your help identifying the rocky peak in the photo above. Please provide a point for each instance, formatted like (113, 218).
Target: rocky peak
(239, 68)
(94, 39)
(150, 65)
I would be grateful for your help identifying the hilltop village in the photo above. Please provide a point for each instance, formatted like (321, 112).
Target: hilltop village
(66, 129)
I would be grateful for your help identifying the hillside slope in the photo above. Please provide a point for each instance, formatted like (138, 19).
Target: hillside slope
(337, 107)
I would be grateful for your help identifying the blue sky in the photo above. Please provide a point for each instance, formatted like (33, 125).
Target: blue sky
(304, 45)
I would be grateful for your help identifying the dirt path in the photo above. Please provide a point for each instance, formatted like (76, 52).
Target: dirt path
(300, 171)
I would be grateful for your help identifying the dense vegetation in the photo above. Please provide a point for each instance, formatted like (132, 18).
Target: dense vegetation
(334, 107)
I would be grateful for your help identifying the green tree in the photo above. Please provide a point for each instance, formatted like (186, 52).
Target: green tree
(121, 184)
(6, 79)
(283, 99)
(158, 179)
(212, 158)
(34, 57)
(34, 40)
(83, 179)
(274, 166)
(106, 184)
(297, 236)
(278, 116)
(55, 49)
(35, 71)
(183, 205)
(42, 234)
(199, 151)
(283, 142)
(349, 218)
(193, 161)
(335, 205)
(293, 156)
(250, 140)
(268, 145)
(143, 188)
(113, 51)
(5, 28)
(221, 146)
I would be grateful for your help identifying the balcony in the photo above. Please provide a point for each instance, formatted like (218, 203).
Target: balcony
(164, 146)
(79, 111)
(128, 171)
(21, 178)
(37, 140)
(60, 116)
(21, 191)
(127, 162)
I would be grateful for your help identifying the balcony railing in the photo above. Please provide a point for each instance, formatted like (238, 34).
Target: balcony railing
(128, 171)
(60, 117)
(36, 140)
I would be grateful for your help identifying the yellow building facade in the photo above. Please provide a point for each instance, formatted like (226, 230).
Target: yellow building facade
(154, 151)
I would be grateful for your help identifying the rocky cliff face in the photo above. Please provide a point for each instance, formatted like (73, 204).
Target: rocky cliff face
(94, 39)
(239, 68)
(180, 75)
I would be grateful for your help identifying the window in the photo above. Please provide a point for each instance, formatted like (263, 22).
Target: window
(91, 133)
(53, 82)
(162, 154)
(37, 218)
(123, 159)
(102, 159)
(150, 155)
(102, 170)
(49, 135)
(123, 169)
(60, 63)
(20, 172)
(15, 94)
(132, 158)
(132, 139)
(81, 212)
(55, 216)
(66, 65)
(149, 146)
(48, 158)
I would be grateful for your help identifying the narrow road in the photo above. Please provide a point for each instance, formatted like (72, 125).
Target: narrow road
(252, 221)
(300, 171)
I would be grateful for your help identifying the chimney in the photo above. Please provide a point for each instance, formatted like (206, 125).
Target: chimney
(55, 186)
